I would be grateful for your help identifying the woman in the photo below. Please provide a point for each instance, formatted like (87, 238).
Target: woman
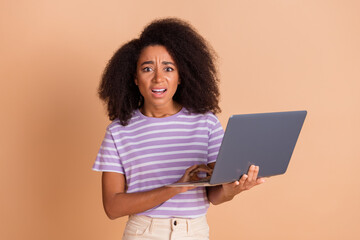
(161, 92)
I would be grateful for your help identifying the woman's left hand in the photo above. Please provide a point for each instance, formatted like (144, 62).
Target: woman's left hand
(246, 182)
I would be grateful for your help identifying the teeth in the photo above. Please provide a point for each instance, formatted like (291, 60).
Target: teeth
(158, 90)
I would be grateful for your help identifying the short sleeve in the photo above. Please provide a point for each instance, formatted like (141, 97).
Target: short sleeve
(216, 135)
(108, 159)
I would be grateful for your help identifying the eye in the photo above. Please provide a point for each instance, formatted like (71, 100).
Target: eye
(169, 69)
(146, 69)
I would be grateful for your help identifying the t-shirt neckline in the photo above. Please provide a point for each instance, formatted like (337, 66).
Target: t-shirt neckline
(161, 119)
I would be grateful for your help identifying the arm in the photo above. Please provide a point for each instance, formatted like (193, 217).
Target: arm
(226, 192)
(118, 203)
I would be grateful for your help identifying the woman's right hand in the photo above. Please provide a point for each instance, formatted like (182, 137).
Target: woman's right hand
(191, 174)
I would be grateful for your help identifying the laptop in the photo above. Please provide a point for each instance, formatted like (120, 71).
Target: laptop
(266, 140)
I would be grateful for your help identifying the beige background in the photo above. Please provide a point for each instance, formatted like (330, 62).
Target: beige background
(273, 56)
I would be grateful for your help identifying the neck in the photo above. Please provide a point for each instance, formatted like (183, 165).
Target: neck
(160, 112)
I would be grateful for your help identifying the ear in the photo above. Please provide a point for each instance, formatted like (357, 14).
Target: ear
(179, 81)
(136, 81)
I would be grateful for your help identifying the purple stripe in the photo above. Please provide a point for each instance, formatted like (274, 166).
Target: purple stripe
(163, 157)
(155, 134)
(179, 213)
(121, 149)
(186, 204)
(163, 165)
(148, 184)
(161, 149)
(150, 175)
(189, 196)
(107, 159)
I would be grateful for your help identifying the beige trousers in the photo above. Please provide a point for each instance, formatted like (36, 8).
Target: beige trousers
(142, 227)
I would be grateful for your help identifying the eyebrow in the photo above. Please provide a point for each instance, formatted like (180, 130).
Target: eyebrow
(163, 62)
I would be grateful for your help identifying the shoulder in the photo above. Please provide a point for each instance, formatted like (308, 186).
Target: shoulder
(116, 126)
(209, 117)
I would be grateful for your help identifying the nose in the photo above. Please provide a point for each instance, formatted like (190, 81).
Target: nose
(158, 76)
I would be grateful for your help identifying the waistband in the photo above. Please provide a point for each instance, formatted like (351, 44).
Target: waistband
(186, 224)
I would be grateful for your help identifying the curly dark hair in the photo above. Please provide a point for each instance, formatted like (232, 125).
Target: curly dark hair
(195, 59)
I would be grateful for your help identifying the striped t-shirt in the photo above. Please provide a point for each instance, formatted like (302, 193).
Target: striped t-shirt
(154, 152)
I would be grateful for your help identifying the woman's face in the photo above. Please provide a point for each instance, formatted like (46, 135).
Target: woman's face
(157, 78)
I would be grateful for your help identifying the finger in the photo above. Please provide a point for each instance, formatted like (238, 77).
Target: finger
(202, 168)
(205, 168)
(188, 173)
(256, 172)
(260, 180)
(190, 169)
(251, 172)
(243, 179)
(236, 185)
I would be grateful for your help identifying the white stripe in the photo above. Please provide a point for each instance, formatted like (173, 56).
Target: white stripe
(197, 191)
(190, 116)
(216, 138)
(210, 122)
(129, 125)
(107, 164)
(201, 116)
(163, 131)
(177, 177)
(155, 171)
(162, 154)
(214, 118)
(181, 208)
(141, 189)
(159, 124)
(163, 161)
(107, 156)
(108, 148)
(102, 170)
(158, 131)
(215, 146)
(216, 130)
(193, 115)
(185, 200)
(164, 146)
(158, 139)
(113, 123)
(213, 154)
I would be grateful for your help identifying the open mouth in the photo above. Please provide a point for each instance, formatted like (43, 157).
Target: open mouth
(159, 91)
